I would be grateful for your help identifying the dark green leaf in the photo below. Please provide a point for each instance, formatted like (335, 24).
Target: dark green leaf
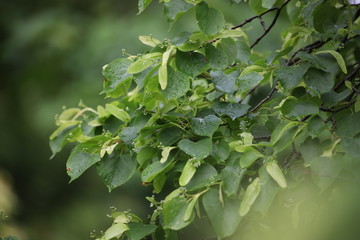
(225, 217)
(318, 80)
(325, 170)
(175, 8)
(79, 161)
(116, 74)
(244, 52)
(210, 20)
(116, 169)
(290, 77)
(231, 176)
(169, 136)
(138, 231)
(233, 110)
(347, 125)
(173, 213)
(204, 176)
(315, 126)
(351, 146)
(298, 108)
(142, 4)
(178, 84)
(198, 150)
(205, 126)
(221, 151)
(224, 82)
(217, 58)
(192, 63)
(257, 6)
(151, 171)
(310, 150)
(229, 46)
(248, 81)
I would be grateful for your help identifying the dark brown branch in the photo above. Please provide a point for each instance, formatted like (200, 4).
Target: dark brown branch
(254, 17)
(348, 77)
(263, 100)
(332, 110)
(278, 11)
(308, 48)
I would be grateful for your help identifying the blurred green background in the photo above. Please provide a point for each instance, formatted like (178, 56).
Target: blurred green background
(51, 56)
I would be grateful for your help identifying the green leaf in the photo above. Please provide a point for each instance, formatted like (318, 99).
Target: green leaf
(151, 171)
(165, 153)
(248, 81)
(190, 208)
(310, 149)
(223, 217)
(251, 193)
(351, 146)
(149, 40)
(347, 124)
(140, 65)
(116, 169)
(319, 80)
(243, 51)
(118, 113)
(204, 176)
(326, 170)
(275, 172)
(249, 156)
(205, 126)
(163, 76)
(269, 189)
(116, 75)
(229, 46)
(198, 150)
(192, 63)
(59, 138)
(178, 84)
(115, 231)
(280, 130)
(257, 6)
(175, 8)
(338, 57)
(173, 213)
(315, 126)
(138, 231)
(187, 173)
(268, 3)
(142, 4)
(217, 58)
(299, 108)
(210, 20)
(169, 136)
(224, 82)
(79, 161)
(221, 151)
(232, 176)
(145, 154)
(233, 110)
(290, 77)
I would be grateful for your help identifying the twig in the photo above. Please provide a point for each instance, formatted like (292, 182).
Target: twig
(267, 30)
(331, 110)
(263, 100)
(254, 17)
(348, 77)
(308, 48)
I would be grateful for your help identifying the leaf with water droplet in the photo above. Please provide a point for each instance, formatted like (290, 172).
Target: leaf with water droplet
(205, 126)
(198, 150)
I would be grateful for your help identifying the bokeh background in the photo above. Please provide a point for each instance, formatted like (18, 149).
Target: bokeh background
(51, 56)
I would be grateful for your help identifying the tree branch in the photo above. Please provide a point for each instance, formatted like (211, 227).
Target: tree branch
(263, 100)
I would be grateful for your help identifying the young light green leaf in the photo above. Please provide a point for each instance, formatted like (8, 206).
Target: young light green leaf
(249, 156)
(118, 113)
(149, 41)
(163, 76)
(275, 172)
(210, 20)
(190, 208)
(280, 130)
(251, 193)
(140, 65)
(165, 153)
(187, 173)
(338, 57)
(115, 231)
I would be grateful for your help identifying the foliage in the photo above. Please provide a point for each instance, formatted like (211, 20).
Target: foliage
(189, 113)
